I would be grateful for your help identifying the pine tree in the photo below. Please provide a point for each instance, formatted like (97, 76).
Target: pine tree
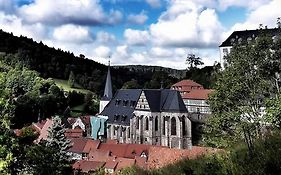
(57, 141)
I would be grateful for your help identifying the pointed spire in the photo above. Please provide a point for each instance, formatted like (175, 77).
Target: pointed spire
(108, 86)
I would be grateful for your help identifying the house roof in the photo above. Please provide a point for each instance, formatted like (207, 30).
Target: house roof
(44, 131)
(198, 94)
(187, 83)
(91, 145)
(99, 155)
(78, 145)
(124, 163)
(245, 34)
(111, 164)
(118, 150)
(73, 132)
(158, 99)
(112, 109)
(135, 150)
(87, 166)
(156, 160)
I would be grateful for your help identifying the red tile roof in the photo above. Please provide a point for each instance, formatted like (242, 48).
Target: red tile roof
(111, 164)
(86, 119)
(159, 157)
(198, 94)
(111, 141)
(134, 150)
(118, 150)
(91, 145)
(73, 132)
(189, 83)
(78, 145)
(87, 166)
(99, 155)
(124, 163)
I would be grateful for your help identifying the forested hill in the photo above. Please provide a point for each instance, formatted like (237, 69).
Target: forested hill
(56, 63)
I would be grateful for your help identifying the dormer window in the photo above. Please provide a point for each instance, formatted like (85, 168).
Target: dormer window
(123, 118)
(132, 103)
(117, 102)
(125, 102)
(116, 117)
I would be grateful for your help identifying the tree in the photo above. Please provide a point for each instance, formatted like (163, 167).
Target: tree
(71, 79)
(133, 84)
(193, 61)
(58, 142)
(240, 92)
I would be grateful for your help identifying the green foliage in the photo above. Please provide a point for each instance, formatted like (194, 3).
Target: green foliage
(57, 142)
(240, 93)
(71, 79)
(193, 61)
(133, 84)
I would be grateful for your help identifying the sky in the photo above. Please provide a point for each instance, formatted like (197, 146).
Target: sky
(138, 32)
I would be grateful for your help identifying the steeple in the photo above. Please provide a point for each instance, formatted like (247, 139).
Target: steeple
(108, 85)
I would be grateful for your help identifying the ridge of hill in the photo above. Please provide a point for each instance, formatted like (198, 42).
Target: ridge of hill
(56, 63)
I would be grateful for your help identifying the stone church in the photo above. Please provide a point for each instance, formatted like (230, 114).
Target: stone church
(146, 116)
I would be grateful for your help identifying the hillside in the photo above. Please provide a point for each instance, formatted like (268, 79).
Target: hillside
(142, 68)
(90, 75)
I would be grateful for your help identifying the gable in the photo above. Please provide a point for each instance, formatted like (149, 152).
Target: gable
(142, 103)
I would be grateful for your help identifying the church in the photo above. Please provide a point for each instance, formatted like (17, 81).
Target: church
(146, 116)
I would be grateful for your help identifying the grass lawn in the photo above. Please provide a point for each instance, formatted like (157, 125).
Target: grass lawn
(63, 84)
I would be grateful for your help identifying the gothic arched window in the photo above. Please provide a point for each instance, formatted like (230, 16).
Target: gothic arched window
(164, 126)
(173, 126)
(146, 123)
(156, 123)
(137, 123)
(184, 131)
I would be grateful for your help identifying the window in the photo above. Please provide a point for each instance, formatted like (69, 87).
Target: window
(184, 132)
(156, 123)
(225, 51)
(146, 123)
(116, 117)
(163, 127)
(132, 103)
(117, 102)
(125, 102)
(123, 118)
(129, 132)
(137, 123)
(173, 126)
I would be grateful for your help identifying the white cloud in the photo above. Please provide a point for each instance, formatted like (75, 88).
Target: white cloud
(11, 23)
(154, 3)
(105, 38)
(136, 37)
(160, 52)
(55, 12)
(103, 51)
(250, 4)
(137, 19)
(72, 33)
(266, 14)
(185, 24)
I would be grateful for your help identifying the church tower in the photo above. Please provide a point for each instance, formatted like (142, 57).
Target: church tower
(107, 96)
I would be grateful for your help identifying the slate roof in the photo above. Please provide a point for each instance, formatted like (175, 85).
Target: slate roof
(108, 87)
(159, 100)
(245, 34)
(112, 109)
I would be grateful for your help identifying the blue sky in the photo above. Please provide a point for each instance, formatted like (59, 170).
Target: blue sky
(148, 32)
